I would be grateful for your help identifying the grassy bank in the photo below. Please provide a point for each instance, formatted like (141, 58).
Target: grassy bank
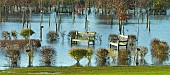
(125, 70)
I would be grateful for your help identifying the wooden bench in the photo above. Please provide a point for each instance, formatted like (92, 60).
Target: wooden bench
(84, 37)
(122, 41)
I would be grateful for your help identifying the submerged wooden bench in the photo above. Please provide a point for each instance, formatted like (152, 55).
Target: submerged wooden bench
(122, 41)
(88, 37)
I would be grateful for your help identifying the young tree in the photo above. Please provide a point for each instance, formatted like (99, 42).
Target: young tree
(121, 6)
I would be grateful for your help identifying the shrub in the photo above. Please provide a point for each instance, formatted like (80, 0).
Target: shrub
(159, 49)
(26, 33)
(5, 35)
(52, 36)
(73, 33)
(123, 54)
(143, 50)
(102, 56)
(14, 34)
(89, 53)
(37, 43)
(112, 53)
(77, 53)
(14, 55)
(123, 57)
(48, 54)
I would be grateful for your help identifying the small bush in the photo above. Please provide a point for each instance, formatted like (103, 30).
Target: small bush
(26, 33)
(14, 34)
(52, 36)
(143, 50)
(159, 49)
(113, 53)
(14, 56)
(123, 54)
(48, 54)
(77, 53)
(5, 35)
(89, 54)
(102, 56)
(123, 57)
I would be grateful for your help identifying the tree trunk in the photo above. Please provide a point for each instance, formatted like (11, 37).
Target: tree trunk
(0, 17)
(49, 19)
(147, 19)
(77, 61)
(120, 27)
(30, 61)
(41, 20)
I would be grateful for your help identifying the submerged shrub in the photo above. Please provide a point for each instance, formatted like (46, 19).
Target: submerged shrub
(14, 34)
(48, 54)
(123, 54)
(52, 36)
(5, 35)
(102, 56)
(143, 50)
(14, 56)
(123, 57)
(89, 54)
(113, 53)
(159, 49)
(77, 53)
(26, 33)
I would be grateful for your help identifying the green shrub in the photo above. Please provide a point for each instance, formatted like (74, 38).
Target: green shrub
(26, 33)
(89, 53)
(77, 53)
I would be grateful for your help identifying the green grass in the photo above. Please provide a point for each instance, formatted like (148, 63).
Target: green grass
(118, 70)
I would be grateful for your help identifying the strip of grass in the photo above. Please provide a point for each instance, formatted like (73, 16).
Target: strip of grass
(118, 70)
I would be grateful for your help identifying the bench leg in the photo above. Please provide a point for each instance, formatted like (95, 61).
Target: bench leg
(71, 42)
(118, 50)
(126, 48)
(93, 43)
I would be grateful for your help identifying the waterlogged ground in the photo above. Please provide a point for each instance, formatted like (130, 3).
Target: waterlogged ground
(159, 29)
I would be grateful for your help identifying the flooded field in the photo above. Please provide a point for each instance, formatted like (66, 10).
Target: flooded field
(159, 29)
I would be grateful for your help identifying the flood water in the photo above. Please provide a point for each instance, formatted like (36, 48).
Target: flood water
(159, 29)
